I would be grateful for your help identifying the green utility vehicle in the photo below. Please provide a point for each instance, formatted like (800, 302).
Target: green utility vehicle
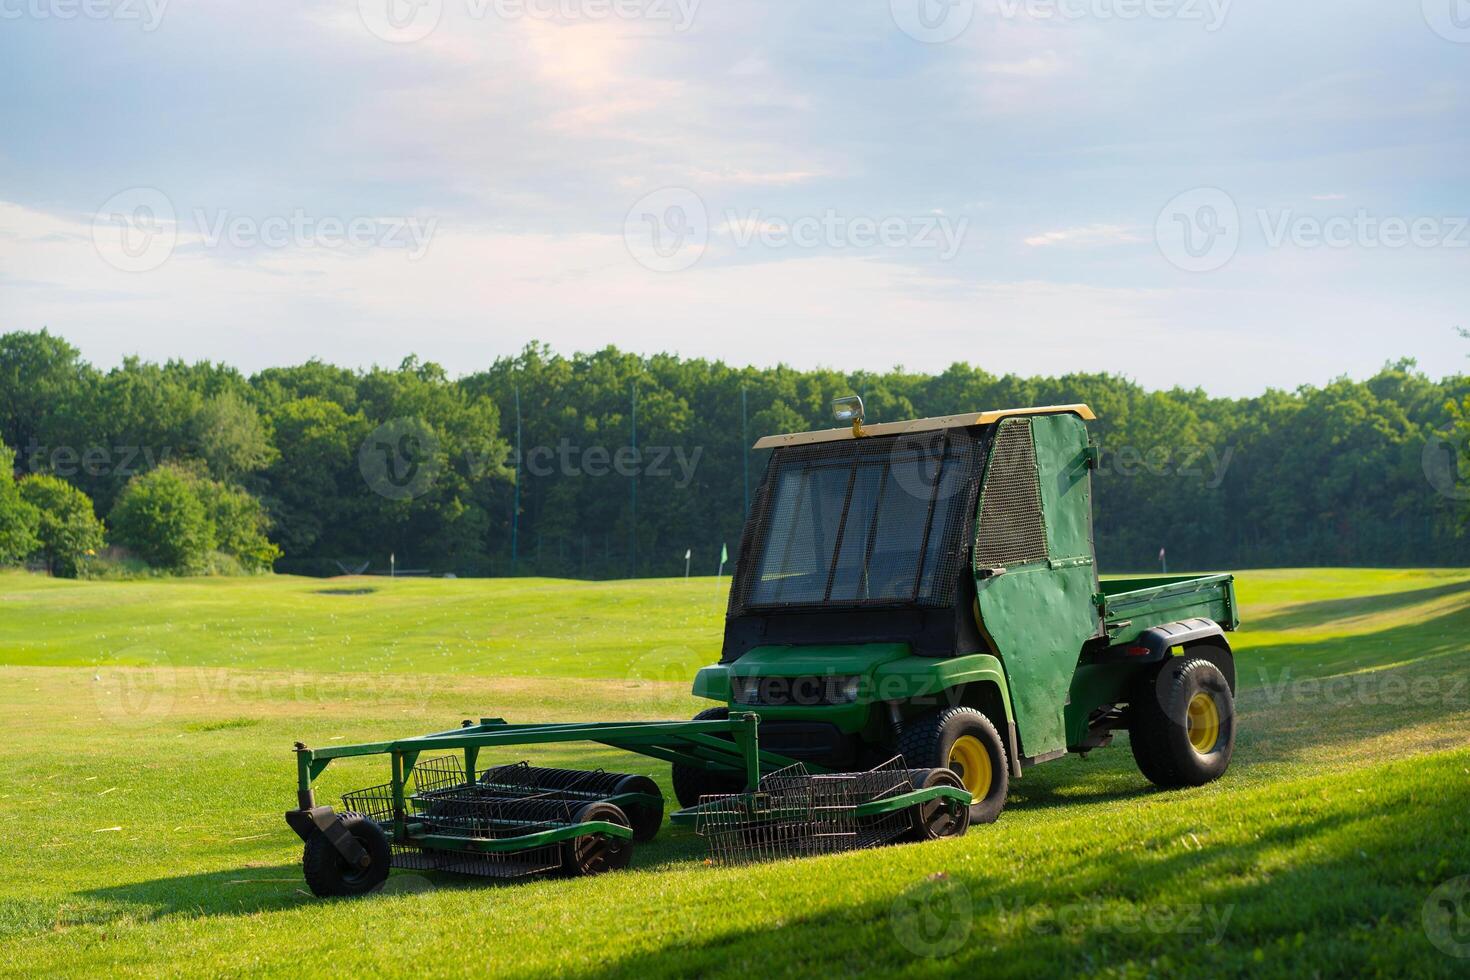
(915, 618)
(929, 589)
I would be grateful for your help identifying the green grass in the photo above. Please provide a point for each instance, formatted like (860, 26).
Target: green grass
(147, 728)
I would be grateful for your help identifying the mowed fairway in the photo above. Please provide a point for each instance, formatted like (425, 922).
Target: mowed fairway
(147, 729)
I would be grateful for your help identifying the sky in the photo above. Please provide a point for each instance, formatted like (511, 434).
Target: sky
(1230, 195)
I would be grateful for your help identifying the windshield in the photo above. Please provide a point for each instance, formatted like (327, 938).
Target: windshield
(871, 521)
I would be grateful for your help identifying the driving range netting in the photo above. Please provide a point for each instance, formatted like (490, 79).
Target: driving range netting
(880, 521)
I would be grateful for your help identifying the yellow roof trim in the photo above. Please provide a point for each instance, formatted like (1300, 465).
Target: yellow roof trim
(918, 425)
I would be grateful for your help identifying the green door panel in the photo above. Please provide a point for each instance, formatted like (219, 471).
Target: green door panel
(1038, 614)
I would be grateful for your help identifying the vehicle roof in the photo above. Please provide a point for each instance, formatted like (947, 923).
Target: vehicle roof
(917, 425)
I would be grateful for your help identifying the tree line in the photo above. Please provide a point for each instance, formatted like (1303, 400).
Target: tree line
(610, 464)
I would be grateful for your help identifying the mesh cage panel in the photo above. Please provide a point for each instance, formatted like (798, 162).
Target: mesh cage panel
(1011, 530)
(866, 522)
(795, 814)
(503, 802)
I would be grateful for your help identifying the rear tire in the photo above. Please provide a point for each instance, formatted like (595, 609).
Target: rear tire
(328, 874)
(594, 854)
(965, 741)
(1182, 723)
(938, 819)
(691, 782)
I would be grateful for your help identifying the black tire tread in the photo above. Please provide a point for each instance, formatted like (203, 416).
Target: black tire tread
(922, 740)
(1158, 741)
(322, 865)
(646, 820)
(577, 861)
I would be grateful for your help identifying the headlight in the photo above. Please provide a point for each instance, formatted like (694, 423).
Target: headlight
(745, 690)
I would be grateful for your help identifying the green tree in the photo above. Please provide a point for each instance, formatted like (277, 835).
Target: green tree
(67, 530)
(229, 436)
(18, 519)
(160, 518)
(43, 388)
(240, 524)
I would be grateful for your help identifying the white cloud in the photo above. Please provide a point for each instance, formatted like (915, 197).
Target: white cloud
(1088, 236)
(752, 178)
(1037, 66)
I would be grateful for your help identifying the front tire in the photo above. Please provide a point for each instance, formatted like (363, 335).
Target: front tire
(1182, 723)
(328, 874)
(691, 782)
(966, 742)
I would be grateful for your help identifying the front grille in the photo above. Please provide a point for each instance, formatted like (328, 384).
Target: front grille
(804, 691)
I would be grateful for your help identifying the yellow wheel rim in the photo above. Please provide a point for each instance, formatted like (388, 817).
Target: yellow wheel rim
(1202, 723)
(970, 761)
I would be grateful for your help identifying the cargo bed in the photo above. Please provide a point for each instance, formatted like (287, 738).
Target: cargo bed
(1132, 605)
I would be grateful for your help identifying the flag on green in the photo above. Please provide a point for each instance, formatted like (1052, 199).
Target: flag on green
(724, 553)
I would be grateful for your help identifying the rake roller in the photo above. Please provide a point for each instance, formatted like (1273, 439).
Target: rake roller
(443, 813)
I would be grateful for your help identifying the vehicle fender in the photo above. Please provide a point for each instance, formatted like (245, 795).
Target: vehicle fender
(1201, 637)
(927, 677)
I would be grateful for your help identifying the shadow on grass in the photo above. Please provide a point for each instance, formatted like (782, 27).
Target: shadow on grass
(247, 891)
(1033, 792)
(1307, 614)
(1298, 896)
(1261, 666)
(239, 891)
